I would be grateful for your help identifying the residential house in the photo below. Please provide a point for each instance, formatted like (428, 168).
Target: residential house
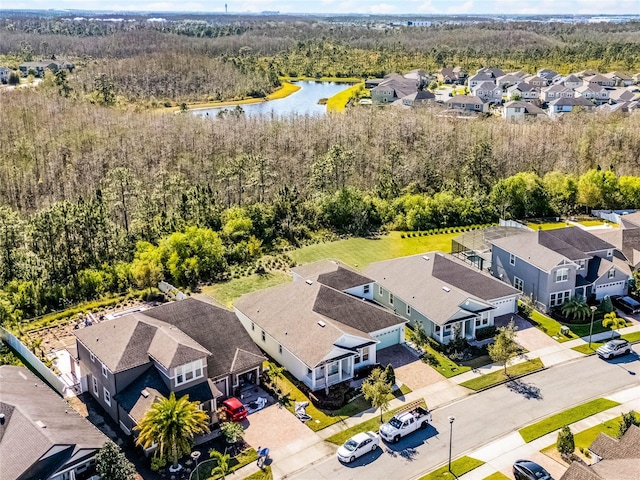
(467, 103)
(572, 81)
(549, 75)
(626, 238)
(392, 88)
(418, 98)
(455, 75)
(586, 73)
(553, 92)
(320, 327)
(618, 95)
(621, 79)
(4, 74)
(39, 67)
(614, 458)
(568, 104)
(519, 110)
(537, 81)
(523, 91)
(493, 72)
(41, 435)
(488, 92)
(623, 107)
(594, 92)
(552, 266)
(507, 80)
(601, 80)
(479, 78)
(370, 83)
(188, 347)
(443, 294)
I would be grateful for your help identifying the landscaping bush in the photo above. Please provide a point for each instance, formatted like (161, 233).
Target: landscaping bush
(337, 398)
(365, 371)
(485, 332)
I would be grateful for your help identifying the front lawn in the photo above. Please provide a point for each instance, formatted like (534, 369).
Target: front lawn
(227, 292)
(443, 364)
(567, 417)
(497, 476)
(338, 102)
(550, 326)
(206, 467)
(359, 252)
(546, 225)
(459, 467)
(372, 424)
(264, 474)
(631, 337)
(495, 378)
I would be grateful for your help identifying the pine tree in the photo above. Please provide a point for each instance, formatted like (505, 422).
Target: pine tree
(111, 464)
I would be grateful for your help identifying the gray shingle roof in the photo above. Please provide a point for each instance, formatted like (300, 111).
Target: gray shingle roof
(25, 400)
(579, 239)
(572, 101)
(333, 274)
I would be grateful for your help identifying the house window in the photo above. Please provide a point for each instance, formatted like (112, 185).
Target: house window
(391, 298)
(92, 357)
(380, 290)
(612, 273)
(365, 289)
(104, 371)
(280, 349)
(189, 371)
(253, 326)
(512, 259)
(437, 328)
(518, 109)
(94, 382)
(408, 309)
(580, 264)
(559, 298)
(562, 275)
(518, 284)
(264, 336)
(333, 369)
(107, 396)
(364, 353)
(609, 253)
(478, 322)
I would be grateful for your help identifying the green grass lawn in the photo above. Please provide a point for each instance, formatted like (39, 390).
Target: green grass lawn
(567, 417)
(227, 292)
(372, 424)
(550, 326)
(206, 467)
(497, 476)
(338, 102)
(596, 223)
(261, 475)
(546, 226)
(631, 337)
(290, 394)
(495, 378)
(459, 467)
(445, 366)
(360, 252)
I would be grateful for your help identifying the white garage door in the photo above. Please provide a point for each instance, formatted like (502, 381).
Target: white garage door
(386, 339)
(615, 288)
(505, 306)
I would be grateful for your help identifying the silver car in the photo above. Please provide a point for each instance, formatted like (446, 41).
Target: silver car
(613, 348)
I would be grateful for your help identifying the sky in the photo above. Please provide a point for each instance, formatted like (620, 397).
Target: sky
(546, 7)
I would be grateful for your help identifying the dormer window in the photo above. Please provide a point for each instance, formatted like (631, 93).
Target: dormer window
(562, 275)
(189, 371)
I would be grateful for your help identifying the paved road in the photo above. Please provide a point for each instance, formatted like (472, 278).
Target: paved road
(486, 416)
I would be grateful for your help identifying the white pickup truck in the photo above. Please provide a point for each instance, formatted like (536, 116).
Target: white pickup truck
(404, 422)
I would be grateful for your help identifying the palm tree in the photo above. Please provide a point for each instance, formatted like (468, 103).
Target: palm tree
(576, 309)
(222, 467)
(171, 424)
(614, 322)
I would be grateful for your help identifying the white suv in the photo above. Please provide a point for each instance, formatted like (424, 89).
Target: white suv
(613, 348)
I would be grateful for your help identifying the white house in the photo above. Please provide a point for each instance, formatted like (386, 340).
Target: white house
(523, 91)
(554, 92)
(4, 74)
(520, 110)
(488, 92)
(567, 104)
(479, 78)
(593, 91)
(572, 81)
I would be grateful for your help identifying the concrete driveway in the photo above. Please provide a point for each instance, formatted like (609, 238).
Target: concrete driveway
(408, 367)
(528, 336)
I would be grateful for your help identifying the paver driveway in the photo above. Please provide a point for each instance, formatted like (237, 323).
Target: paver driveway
(528, 336)
(409, 369)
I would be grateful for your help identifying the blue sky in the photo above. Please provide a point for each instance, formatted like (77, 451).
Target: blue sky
(347, 6)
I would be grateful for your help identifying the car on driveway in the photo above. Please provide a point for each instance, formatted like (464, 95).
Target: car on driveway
(614, 348)
(357, 446)
(528, 470)
(626, 304)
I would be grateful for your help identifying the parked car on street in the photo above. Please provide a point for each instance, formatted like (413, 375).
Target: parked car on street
(614, 348)
(404, 422)
(528, 470)
(626, 304)
(357, 446)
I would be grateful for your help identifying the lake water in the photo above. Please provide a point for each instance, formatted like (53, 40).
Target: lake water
(302, 102)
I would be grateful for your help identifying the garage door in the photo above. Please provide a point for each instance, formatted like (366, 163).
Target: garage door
(505, 306)
(392, 337)
(615, 288)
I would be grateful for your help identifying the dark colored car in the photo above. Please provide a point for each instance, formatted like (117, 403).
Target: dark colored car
(528, 470)
(626, 304)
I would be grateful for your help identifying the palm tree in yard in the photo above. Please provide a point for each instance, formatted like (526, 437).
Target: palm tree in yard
(171, 424)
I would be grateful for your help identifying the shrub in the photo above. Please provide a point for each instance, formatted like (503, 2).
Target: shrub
(565, 444)
(157, 463)
(390, 375)
(485, 332)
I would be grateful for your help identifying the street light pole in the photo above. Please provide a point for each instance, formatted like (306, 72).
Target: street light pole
(451, 420)
(593, 311)
(195, 455)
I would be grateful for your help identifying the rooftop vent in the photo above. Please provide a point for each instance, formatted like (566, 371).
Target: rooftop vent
(321, 323)
(309, 282)
(40, 424)
(446, 289)
(144, 393)
(425, 257)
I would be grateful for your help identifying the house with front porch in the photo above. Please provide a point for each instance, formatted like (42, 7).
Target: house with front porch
(593, 92)
(321, 327)
(189, 347)
(568, 104)
(443, 294)
(552, 266)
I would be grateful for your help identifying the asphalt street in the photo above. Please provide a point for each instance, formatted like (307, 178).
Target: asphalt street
(486, 416)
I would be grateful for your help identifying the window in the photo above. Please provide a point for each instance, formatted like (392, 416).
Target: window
(365, 289)
(609, 253)
(264, 336)
(380, 290)
(92, 357)
(94, 382)
(333, 369)
(559, 298)
(562, 275)
(107, 396)
(512, 259)
(612, 273)
(408, 309)
(437, 328)
(518, 284)
(581, 264)
(478, 322)
(280, 349)
(104, 371)
(518, 109)
(253, 326)
(365, 354)
(189, 371)
(391, 298)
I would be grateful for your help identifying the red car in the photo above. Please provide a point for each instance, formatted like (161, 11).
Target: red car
(234, 409)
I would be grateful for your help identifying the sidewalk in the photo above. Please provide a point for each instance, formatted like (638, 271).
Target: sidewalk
(496, 455)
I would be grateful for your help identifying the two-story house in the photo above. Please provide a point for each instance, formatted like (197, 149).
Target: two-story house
(601, 80)
(523, 91)
(440, 292)
(188, 347)
(568, 104)
(467, 103)
(479, 78)
(41, 435)
(4, 74)
(594, 92)
(622, 79)
(455, 75)
(488, 92)
(551, 76)
(549, 94)
(321, 327)
(521, 110)
(572, 81)
(392, 88)
(552, 266)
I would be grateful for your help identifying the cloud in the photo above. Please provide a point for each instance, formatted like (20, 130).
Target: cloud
(382, 8)
(466, 7)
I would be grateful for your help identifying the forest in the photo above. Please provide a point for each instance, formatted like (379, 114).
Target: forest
(102, 192)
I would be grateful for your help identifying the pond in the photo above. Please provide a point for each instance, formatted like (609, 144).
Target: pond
(302, 102)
